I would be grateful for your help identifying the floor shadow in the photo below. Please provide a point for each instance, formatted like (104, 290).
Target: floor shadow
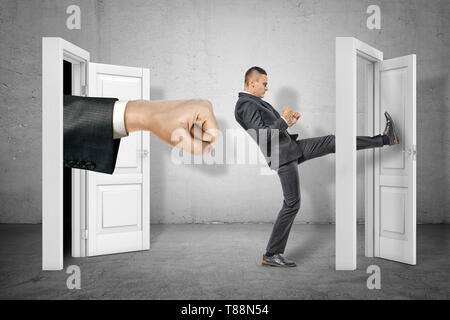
(308, 247)
(155, 231)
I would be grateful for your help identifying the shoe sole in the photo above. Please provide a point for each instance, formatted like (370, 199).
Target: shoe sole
(393, 129)
(268, 264)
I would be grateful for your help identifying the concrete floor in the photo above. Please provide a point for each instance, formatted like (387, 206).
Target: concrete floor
(223, 262)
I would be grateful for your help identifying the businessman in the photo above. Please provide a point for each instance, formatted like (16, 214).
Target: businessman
(93, 127)
(253, 113)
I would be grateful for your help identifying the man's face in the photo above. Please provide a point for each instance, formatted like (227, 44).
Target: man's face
(259, 85)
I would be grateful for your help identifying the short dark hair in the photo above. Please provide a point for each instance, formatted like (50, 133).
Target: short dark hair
(251, 70)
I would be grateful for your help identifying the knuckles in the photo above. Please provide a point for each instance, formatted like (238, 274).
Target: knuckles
(204, 103)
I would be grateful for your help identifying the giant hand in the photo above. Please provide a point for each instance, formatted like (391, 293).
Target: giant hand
(187, 124)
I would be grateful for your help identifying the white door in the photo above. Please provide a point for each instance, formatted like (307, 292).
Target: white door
(395, 166)
(118, 205)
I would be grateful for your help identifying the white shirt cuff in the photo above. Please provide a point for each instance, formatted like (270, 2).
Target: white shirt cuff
(119, 130)
(285, 120)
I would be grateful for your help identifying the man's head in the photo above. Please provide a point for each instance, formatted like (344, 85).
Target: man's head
(256, 81)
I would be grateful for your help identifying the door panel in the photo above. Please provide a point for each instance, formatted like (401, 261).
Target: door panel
(118, 211)
(110, 208)
(393, 212)
(395, 166)
(129, 157)
(124, 83)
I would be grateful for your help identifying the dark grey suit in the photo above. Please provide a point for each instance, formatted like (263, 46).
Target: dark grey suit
(88, 134)
(253, 113)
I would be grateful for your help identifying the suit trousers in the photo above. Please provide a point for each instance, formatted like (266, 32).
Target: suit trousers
(290, 183)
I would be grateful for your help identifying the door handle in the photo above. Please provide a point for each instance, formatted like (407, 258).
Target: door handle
(143, 152)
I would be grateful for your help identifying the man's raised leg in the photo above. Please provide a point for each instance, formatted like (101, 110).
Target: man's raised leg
(320, 146)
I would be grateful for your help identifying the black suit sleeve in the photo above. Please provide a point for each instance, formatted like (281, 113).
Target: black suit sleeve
(88, 134)
(252, 119)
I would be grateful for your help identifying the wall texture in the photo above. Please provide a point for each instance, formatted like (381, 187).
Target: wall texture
(202, 49)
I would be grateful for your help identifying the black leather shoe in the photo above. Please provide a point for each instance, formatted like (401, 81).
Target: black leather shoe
(277, 260)
(390, 130)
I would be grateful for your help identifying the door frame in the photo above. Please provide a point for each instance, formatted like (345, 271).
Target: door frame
(54, 51)
(347, 51)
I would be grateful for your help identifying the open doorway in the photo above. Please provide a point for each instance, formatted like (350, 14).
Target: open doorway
(67, 177)
(364, 158)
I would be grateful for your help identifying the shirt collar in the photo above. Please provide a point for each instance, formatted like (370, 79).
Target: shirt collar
(249, 94)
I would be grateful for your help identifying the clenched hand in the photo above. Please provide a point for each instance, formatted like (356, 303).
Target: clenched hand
(187, 124)
(291, 116)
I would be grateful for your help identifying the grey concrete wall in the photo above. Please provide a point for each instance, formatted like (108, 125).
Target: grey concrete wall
(202, 49)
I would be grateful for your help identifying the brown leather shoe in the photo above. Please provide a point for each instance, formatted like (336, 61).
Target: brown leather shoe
(390, 130)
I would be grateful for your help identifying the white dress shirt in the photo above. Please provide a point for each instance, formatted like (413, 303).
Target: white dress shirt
(119, 130)
(258, 97)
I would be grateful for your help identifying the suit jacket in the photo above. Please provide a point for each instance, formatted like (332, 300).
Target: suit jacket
(252, 112)
(88, 134)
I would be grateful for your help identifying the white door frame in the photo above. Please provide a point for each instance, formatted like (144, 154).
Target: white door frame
(54, 52)
(347, 50)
